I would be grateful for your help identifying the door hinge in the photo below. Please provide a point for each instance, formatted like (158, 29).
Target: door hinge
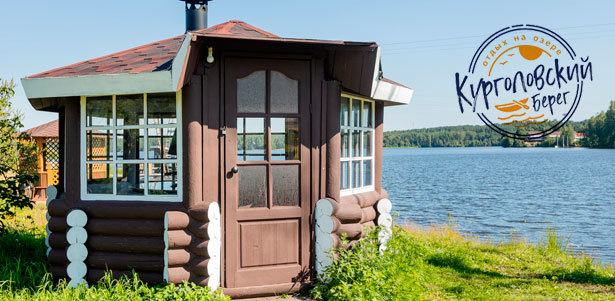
(223, 131)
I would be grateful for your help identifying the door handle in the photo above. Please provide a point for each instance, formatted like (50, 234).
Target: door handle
(234, 169)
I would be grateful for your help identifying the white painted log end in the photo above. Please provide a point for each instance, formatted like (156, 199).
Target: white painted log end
(76, 270)
(323, 208)
(47, 241)
(384, 206)
(77, 253)
(214, 231)
(76, 282)
(213, 211)
(47, 216)
(385, 220)
(76, 235)
(48, 251)
(77, 218)
(52, 193)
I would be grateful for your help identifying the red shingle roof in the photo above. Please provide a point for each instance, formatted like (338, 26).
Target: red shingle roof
(49, 129)
(152, 57)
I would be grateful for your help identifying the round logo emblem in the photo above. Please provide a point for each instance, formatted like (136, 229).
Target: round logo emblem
(523, 77)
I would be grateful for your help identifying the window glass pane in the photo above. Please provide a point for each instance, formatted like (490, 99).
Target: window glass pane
(162, 143)
(284, 93)
(100, 178)
(345, 112)
(356, 174)
(284, 139)
(130, 179)
(162, 179)
(345, 143)
(251, 139)
(356, 143)
(356, 112)
(344, 175)
(367, 143)
(251, 92)
(99, 111)
(161, 108)
(129, 109)
(285, 185)
(252, 186)
(99, 145)
(130, 144)
(367, 172)
(366, 116)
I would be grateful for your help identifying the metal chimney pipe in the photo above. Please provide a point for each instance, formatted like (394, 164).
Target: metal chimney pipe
(196, 14)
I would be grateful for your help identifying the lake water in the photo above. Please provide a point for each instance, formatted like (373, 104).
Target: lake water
(494, 192)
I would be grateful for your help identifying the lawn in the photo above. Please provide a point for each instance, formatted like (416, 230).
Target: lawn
(420, 263)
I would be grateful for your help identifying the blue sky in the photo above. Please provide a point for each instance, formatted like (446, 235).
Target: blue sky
(423, 43)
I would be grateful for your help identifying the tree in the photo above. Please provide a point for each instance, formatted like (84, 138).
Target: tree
(17, 157)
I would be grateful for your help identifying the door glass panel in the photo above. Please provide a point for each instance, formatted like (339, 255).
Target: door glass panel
(130, 179)
(356, 174)
(161, 108)
(356, 113)
(345, 112)
(100, 178)
(162, 178)
(129, 109)
(345, 175)
(367, 143)
(252, 186)
(99, 111)
(162, 143)
(284, 139)
(130, 144)
(367, 172)
(366, 116)
(285, 185)
(99, 145)
(251, 93)
(251, 139)
(356, 143)
(284, 93)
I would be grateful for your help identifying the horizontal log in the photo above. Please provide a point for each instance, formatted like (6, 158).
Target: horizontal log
(149, 277)
(178, 239)
(348, 212)
(57, 208)
(57, 240)
(125, 261)
(58, 271)
(176, 220)
(199, 280)
(199, 213)
(121, 244)
(178, 257)
(367, 225)
(129, 209)
(199, 229)
(365, 199)
(125, 227)
(352, 231)
(368, 214)
(199, 248)
(198, 266)
(57, 224)
(178, 275)
(57, 257)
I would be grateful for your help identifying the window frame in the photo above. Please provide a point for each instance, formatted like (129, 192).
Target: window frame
(350, 128)
(85, 196)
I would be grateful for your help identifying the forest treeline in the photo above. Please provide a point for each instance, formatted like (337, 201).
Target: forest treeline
(599, 131)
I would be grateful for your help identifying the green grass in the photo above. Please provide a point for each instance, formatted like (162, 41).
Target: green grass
(420, 263)
(23, 274)
(440, 263)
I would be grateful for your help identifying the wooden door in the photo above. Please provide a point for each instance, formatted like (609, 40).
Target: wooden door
(267, 144)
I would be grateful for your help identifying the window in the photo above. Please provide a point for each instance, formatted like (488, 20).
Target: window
(131, 147)
(357, 153)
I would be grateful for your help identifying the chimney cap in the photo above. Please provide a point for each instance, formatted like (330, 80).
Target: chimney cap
(203, 2)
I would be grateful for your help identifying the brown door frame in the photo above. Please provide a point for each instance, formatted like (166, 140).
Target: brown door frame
(296, 69)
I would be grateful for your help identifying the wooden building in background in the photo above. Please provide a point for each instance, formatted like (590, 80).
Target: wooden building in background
(48, 157)
(227, 156)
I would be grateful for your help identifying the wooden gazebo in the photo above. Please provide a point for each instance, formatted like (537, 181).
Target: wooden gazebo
(48, 160)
